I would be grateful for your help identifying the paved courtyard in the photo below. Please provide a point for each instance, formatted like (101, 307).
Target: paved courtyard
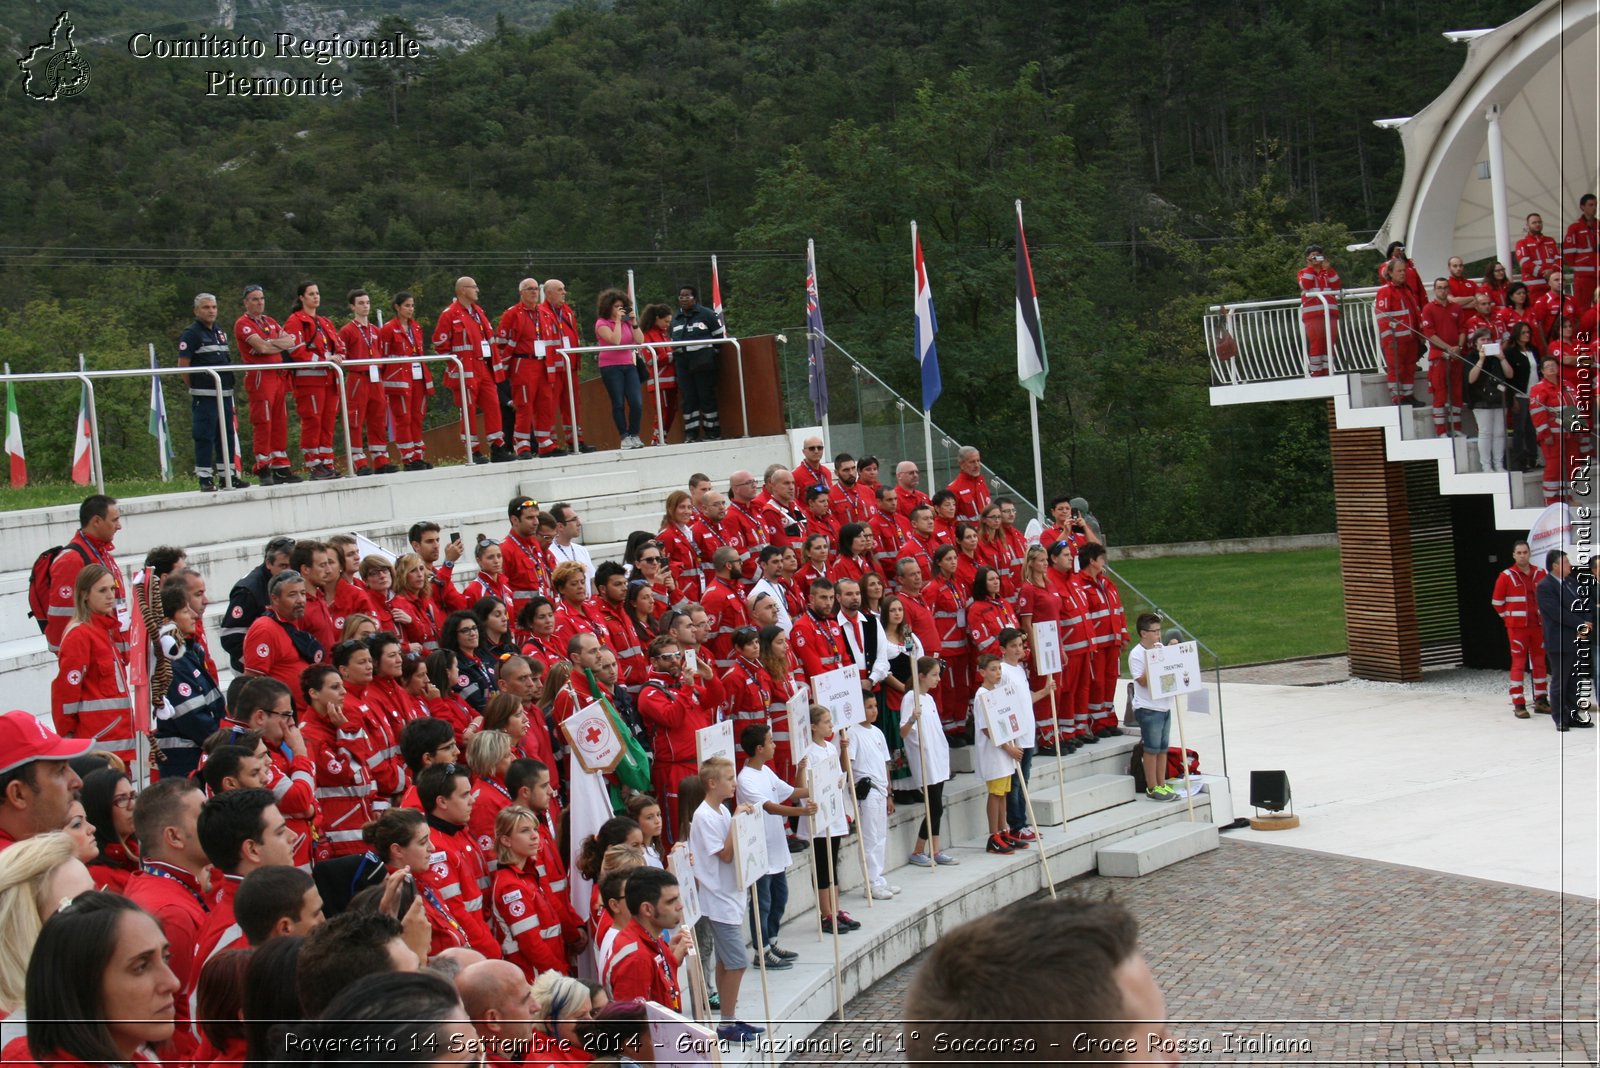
(1354, 961)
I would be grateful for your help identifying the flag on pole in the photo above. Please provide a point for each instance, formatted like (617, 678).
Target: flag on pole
(816, 366)
(19, 463)
(1032, 364)
(716, 297)
(82, 461)
(158, 421)
(926, 327)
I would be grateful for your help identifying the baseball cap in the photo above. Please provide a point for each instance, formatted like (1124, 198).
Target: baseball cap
(23, 739)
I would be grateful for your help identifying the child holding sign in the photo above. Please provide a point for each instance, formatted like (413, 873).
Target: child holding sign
(869, 764)
(822, 757)
(1013, 650)
(995, 761)
(928, 758)
(775, 799)
(1153, 714)
(722, 902)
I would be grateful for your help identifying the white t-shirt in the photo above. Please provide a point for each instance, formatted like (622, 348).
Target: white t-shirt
(988, 759)
(1141, 694)
(817, 754)
(651, 857)
(869, 754)
(763, 586)
(720, 897)
(574, 552)
(937, 754)
(1017, 675)
(757, 786)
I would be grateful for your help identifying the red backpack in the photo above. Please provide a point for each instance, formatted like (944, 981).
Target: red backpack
(39, 581)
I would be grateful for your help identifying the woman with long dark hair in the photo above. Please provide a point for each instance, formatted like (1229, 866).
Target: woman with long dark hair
(108, 796)
(1523, 354)
(616, 327)
(316, 393)
(461, 634)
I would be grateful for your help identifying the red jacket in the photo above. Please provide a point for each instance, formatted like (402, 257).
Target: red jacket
(1536, 256)
(361, 343)
(64, 575)
(708, 539)
(318, 620)
(622, 639)
(1514, 601)
(849, 506)
(923, 624)
(662, 371)
(1397, 318)
(818, 644)
(266, 327)
(173, 896)
(467, 333)
(399, 338)
(270, 651)
(457, 871)
(1324, 281)
(220, 931)
(640, 967)
(782, 526)
(488, 800)
(985, 620)
(559, 328)
(293, 782)
(527, 922)
(89, 697)
(827, 525)
(1578, 251)
(949, 618)
(889, 533)
(345, 790)
(1077, 629)
(519, 335)
(442, 588)
(674, 711)
(318, 340)
(744, 532)
(1110, 625)
(526, 569)
(726, 611)
(682, 560)
(426, 621)
(909, 500)
(571, 620)
(972, 495)
(384, 763)
(1441, 323)
(1553, 306)
(747, 690)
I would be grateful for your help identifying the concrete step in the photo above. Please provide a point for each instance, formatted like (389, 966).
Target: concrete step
(1093, 793)
(1155, 849)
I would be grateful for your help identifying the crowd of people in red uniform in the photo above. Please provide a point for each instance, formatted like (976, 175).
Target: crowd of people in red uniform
(392, 736)
(1516, 346)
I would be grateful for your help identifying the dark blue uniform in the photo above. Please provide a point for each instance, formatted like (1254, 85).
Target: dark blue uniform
(697, 370)
(207, 346)
(198, 708)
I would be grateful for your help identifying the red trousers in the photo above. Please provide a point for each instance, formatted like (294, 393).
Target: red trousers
(1444, 388)
(1073, 704)
(529, 383)
(665, 776)
(1401, 361)
(316, 398)
(369, 418)
(1527, 651)
(1322, 333)
(1103, 688)
(955, 692)
(669, 412)
(559, 404)
(269, 417)
(1562, 454)
(483, 401)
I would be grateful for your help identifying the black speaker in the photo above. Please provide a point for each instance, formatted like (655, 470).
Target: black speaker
(1269, 790)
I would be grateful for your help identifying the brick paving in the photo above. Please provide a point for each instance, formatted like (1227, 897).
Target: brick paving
(1359, 962)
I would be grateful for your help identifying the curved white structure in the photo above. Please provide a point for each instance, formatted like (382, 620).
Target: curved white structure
(1515, 132)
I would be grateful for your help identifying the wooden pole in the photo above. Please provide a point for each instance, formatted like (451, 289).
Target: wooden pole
(922, 757)
(855, 806)
(761, 955)
(816, 885)
(1044, 861)
(838, 969)
(1183, 755)
(697, 980)
(1061, 767)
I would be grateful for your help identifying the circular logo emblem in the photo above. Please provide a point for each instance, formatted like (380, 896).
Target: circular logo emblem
(335, 765)
(65, 591)
(74, 676)
(516, 908)
(263, 650)
(461, 681)
(184, 690)
(238, 611)
(484, 842)
(441, 870)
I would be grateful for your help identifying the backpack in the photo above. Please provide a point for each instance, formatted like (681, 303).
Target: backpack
(39, 581)
(1175, 758)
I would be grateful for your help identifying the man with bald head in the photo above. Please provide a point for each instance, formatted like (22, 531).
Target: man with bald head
(464, 331)
(907, 495)
(499, 1002)
(782, 519)
(522, 344)
(558, 326)
(811, 470)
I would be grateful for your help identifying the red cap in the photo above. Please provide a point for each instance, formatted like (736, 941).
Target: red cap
(23, 739)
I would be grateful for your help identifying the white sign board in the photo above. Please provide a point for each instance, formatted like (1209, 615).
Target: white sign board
(677, 1039)
(798, 715)
(839, 691)
(1005, 709)
(1046, 648)
(715, 740)
(827, 790)
(1551, 530)
(593, 738)
(749, 848)
(680, 862)
(1173, 669)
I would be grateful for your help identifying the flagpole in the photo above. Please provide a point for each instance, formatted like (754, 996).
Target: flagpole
(1033, 398)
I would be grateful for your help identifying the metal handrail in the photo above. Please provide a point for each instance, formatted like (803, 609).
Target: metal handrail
(1287, 302)
(87, 377)
(338, 366)
(738, 356)
(1272, 343)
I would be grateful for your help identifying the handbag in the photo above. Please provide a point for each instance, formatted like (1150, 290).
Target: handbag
(1127, 708)
(1227, 346)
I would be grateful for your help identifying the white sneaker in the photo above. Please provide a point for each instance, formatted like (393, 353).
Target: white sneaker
(883, 891)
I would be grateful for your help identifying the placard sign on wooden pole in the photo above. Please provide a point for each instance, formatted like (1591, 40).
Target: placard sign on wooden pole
(715, 740)
(1174, 669)
(798, 713)
(750, 859)
(688, 1042)
(1046, 647)
(594, 740)
(839, 691)
(828, 792)
(680, 862)
(1004, 708)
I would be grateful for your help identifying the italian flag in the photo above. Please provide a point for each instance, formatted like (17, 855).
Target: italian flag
(82, 461)
(19, 463)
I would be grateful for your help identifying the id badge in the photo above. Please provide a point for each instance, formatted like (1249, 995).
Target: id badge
(416, 372)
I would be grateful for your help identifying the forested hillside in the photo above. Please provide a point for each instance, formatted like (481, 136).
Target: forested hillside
(1168, 153)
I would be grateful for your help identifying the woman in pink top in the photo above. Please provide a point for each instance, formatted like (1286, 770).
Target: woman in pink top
(614, 326)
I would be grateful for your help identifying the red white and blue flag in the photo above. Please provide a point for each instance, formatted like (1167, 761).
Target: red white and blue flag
(816, 366)
(716, 297)
(926, 327)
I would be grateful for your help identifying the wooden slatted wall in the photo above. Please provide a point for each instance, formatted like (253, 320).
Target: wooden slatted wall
(1372, 507)
(1433, 567)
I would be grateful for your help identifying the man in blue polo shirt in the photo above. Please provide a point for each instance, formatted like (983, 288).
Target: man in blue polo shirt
(204, 344)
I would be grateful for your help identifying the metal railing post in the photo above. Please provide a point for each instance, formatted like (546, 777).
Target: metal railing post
(224, 427)
(572, 405)
(344, 417)
(744, 412)
(466, 417)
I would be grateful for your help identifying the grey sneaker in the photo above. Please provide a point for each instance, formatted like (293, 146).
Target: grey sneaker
(776, 963)
(921, 860)
(1161, 793)
(942, 857)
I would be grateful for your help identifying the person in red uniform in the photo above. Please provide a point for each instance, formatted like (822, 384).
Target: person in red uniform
(519, 339)
(406, 385)
(783, 519)
(1039, 603)
(35, 760)
(1110, 626)
(262, 343)
(816, 639)
(464, 331)
(457, 869)
(989, 612)
(725, 605)
(241, 831)
(608, 607)
(525, 916)
(671, 707)
(661, 376)
(99, 519)
(677, 543)
(274, 645)
(643, 965)
(318, 565)
(819, 515)
(385, 766)
(1441, 325)
(1495, 283)
(742, 523)
(1514, 602)
(266, 706)
(316, 391)
(345, 789)
(747, 686)
(890, 530)
(1535, 254)
(167, 885)
(969, 486)
(849, 504)
(558, 327)
(524, 559)
(90, 696)
(907, 496)
(1463, 290)
(918, 613)
(1554, 409)
(712, 531)
(365, 398)
(811, 471)
(1319, 309)
(1580, 253)
(1399, 322)
(572, 610)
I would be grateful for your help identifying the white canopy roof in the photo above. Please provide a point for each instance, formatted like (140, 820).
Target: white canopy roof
(1542, 69)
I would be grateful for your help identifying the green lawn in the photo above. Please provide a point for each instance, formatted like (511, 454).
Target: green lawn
(1249, 607)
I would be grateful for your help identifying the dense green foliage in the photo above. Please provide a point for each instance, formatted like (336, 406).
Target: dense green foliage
(1168, 153)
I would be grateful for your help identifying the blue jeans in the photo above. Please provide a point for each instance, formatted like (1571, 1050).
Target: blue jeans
(772, 898)
(1155, 726)
(1016, 808)
(627, 399)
